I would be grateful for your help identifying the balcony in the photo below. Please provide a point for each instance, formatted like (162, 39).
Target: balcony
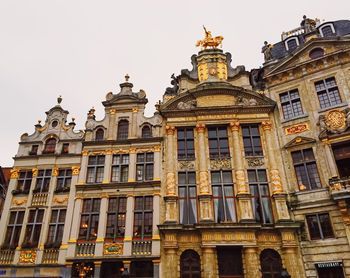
(142, 247)
(339, 188)
(39, 199)
(6, 256)
(85, 249)
(50, 256)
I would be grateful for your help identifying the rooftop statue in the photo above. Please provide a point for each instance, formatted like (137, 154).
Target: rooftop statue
(266, 49)
(308, 24)
(209, 40)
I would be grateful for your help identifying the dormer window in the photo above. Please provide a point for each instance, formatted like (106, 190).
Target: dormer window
(291, 44)
(50, 145)
(123, 130)
(327, 30)
(99, 134)
(146, 132)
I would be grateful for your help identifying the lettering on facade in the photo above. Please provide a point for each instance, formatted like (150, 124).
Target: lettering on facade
(294, 129)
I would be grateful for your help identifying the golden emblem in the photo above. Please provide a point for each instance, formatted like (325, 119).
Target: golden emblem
(27, 256)
(209, 40)
(335, 119)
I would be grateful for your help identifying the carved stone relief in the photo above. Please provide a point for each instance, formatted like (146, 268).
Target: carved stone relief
(186, 165)
(220, 164)
(187, 105)
(255, 161)
(335, 121)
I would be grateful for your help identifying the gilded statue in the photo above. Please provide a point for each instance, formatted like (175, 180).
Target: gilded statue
(209, 40)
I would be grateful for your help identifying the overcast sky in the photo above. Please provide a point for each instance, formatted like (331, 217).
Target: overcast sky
(83, 49)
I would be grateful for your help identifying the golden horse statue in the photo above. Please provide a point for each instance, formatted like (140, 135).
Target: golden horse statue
(209, 40)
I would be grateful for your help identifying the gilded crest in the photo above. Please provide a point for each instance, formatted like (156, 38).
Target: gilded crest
(335, 119)
(113, 249)
(27, 256)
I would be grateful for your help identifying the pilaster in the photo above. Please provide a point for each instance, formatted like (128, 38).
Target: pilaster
(209, 262)
(170, 268)
(101, 226)
(132, 165)
(251, 262)
(129, 221)
(330, 159)
(133, 134)
(75, 226)
(155, 231)
(83, 169)
(157, 163)
(111, 132)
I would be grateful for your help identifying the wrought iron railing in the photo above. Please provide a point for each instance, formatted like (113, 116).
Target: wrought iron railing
(339, 183)
(142, 247)
(6, 256)
(50, 256)
(85, 249)
(39, 199)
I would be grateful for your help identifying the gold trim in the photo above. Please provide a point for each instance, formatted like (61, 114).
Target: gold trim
(131, 180)
(157, 148)
(35, 172)
(266, 125)
(157, 194)
(156, 237)
(75, 170)
(130, 195)
(60, 201)
(200, 127)
(100, 239)
(18, 203)
(108, 152)
(132, 150)
(84, 153)
(156, 179)
(128, 238)
(64, 246)
(55, 172)
(298, 128)
(72, 240)
(170, 130)
(109, 138)
(234, 126)
(81, 182)
(27, 256)
(104, 196)
(78, 197)
(41, 246)
(112, 111)
(66, 128)
(14, 173)
(135, 110)
(42, 129)
(105, 181)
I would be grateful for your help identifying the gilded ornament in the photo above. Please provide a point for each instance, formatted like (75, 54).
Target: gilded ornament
(112, 111)
(75, 170)
(135, 110)
(66, 127)
(335, 119)
(266, 125)
(42, 128)
(200, 127)
(203, 182)
(27, 256)
(255, 162)
(18, 203)
(35, 172)
(14, 173)
(113, 249)
(109, 152)
(294, 129)
(170, 130)
(60, 201)
(55, 172)
(203, 71)
(170, 184)
(157, 148)
(209, 41)
(276, 181)
(132, 150)
(84, 153)
(234, 126)
(186, 165)
(222, 70)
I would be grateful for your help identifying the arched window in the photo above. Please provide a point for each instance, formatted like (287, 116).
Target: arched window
(271, 264)
(316, 53)
(327, 30)
(146, 132)
(123, 130)
(190, 265)
(100, 134)
(50, 145)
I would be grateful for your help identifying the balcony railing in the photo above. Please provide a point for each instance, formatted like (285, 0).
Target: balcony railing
(297, 31)
(50, 256)
(142, 247)
(85, 249)
(6, 256)
(340, 187)
(39, 199)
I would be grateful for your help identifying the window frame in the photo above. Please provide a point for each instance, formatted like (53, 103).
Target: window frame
(40, 186)
(56, 242)
(23, 188)
(90, 214)
(143, 212)
(221, 150)
(320, 229)
(250, 136)
(327, 25)
(115, 216)
(144, 165)
(10, 243)
(187, 154)
(65, 148)
(291, 39)
(49, 147)
(97, 135)
(290, 103)
(327, 91)
(65, 177)
(123, 134)
(30, 242)
(95, 168)
(144, 134)
(120, 166)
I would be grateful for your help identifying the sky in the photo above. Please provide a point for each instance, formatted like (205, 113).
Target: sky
(83, 49)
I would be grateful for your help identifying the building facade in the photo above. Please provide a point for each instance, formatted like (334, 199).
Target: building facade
(237, 173)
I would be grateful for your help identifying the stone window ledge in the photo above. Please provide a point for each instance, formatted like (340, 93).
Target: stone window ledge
(332, 107)
(305, 115)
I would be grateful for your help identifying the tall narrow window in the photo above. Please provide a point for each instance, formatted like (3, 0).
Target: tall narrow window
(146, 131)
(188, 197)
(251, 140)
(327, 92)
(271, 264)
(116, 218)
(33, 228)
(99, 135)
(24, 181)
(50, 145)
(34, 150)
(64, 180)
(13, 229)
(120, 168)
(306, 169)
(319, 226)
(218, 142)
(223, 195)
(95, 168)
(89, 219)
(143, 213)
(65, 148)
(259, 190)
(144, 167)
(123, 130)
(291, 104)
(230, 261)
(43, 181)
(56, 226)
(185, 143)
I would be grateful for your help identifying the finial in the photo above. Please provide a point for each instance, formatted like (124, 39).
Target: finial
(59, 100)
(209, 40)
(73, 119)
(39, 122)
(127, 77)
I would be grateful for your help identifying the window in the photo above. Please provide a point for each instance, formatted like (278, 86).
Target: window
(316, 53)
(291, 105)
(34, 150)
(50, 145)
(185, 143)
(56, 226)
(230, 261)
(144, 167)
(99, 134)
(190, 264)
(188, 197)
(259, 190)
(43, 181)
(328, 31)
(143, 213)
(65, 148)
(223, 195)
(327, 92)
(24, 181)
(319, 226)
(291, 44)
(120, 168)
(218, 142)
(146, 132)
(116, 218)
(306, 169)
(33, 229)
(251, 140)
(89, 219)
(123, 130)
(341, 154)
(13, 229)
(64, 180)
(271, 264)
(95, 168)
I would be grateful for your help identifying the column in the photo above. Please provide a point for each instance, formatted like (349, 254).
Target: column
(83, 169)
(156, 264)
(330, 159)
(69, 215)
(155, 231)
(107, 168)
(171, 195)
(133, 134)
(101, 231)
(132, 165)
(251, 262)
(129, 224)
(157, 163)
(171, 263)
(97, 270)
(209, 262)
(243, 194)
(111, 131)
(278, 194)
(205, 207)
(75, 226)
(126, 265)
(292, 262)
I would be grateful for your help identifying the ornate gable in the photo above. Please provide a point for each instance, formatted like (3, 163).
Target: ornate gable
(298, 141)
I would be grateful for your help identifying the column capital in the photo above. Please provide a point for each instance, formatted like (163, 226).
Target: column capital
(14, 173)
(157, 148)
(200, 127)
(170, 130)
(132, 150)
(55, 172)
(75, 170)
(276, 181)
(35, 172)
(84, 153)
(325, 142)
(234, 125)
(266, 125)
(135, 110)
(109, 151)
(112, 111)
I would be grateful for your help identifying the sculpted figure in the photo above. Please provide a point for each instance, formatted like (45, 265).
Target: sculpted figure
(266, 49)
(308, 24)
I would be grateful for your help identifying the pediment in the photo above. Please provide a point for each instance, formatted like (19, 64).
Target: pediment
(220, 97)
(301, 56)
(123, 98)
(298, 141)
